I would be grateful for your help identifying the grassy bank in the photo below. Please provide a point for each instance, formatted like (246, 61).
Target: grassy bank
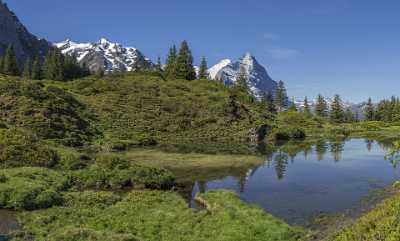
(154, 215)
(382, 223)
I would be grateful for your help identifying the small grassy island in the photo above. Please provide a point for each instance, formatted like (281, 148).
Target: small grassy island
(103, 158)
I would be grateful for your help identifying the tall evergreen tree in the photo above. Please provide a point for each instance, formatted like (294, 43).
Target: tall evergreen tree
(27, 69)
(203, 70)
(281, 99)
(267, 102)
(241, 81)
(54, 68)
(293, 106)
(306, 107)
(337, 113)
(170, 65)
(159, 69)
(1, 64)
(10, 62)
(369, 110)
(321, 107)
(349, 116)
(36, 72)
(184, 63)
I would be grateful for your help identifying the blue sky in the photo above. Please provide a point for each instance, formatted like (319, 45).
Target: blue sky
(350, 47)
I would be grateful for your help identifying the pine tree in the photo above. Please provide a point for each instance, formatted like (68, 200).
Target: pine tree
(170, 65)
(293, 106)
(349, 116)
(281, 99)
(370, 111)
(158, 67)
(184, 63)
(321, 108)
(1, 64)
(27, 69)
(203, 70)
(10, 62)
(337, 113)
(306, 107)
(267, 102)
(241, 81)
(36, 72)
(54, 68)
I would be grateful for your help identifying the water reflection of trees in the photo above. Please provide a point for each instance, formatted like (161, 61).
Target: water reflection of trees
(281, 162)
(321, 147)
(336, 148)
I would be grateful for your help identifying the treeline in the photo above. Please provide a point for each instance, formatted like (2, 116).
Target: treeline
(387, 110)
(54, 66)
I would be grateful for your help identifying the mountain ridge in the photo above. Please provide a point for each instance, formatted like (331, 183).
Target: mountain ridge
(13, 32)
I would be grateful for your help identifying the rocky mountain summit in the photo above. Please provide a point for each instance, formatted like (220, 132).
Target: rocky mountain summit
(13, 32)
(258, 79)
(105, 55)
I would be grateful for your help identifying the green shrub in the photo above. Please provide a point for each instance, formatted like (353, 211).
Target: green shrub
(47, 111)
(158, 216)
(110, 172)
(19, 148)
(287, 133)
(31, 188)
(74, 161)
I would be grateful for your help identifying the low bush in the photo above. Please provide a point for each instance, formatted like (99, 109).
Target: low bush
(19, 148)
(110, 172)
(31, 188)
(156, 215)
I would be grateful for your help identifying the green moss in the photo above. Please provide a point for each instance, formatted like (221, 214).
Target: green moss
(155, 215)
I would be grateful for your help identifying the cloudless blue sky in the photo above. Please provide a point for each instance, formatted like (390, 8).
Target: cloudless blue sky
(350, 47)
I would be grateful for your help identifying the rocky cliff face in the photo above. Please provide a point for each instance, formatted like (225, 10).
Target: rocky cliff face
(12, 31)
(105, 55)
(258, 79)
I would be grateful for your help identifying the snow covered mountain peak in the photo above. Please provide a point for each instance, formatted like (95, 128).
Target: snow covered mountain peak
(213, 71)
(105, 54)
(258, 79)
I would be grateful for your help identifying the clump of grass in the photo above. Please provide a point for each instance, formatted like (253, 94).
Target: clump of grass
(155, 215)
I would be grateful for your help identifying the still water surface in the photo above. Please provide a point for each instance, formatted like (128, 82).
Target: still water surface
(298, 182)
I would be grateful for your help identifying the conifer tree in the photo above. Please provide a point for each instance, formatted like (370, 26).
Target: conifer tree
(321, 107)
(281, 99)
(10, 62)
(241, 81)
(184, 63)
(306, 108)
(170, 65)
(370, 110)
(267, 101)
(36, 72)
(349, 116)
(293, 106)
(54, 65)
(1, 64)
(27, 69)
(337, 113)
(158, 67)
(203, 70)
